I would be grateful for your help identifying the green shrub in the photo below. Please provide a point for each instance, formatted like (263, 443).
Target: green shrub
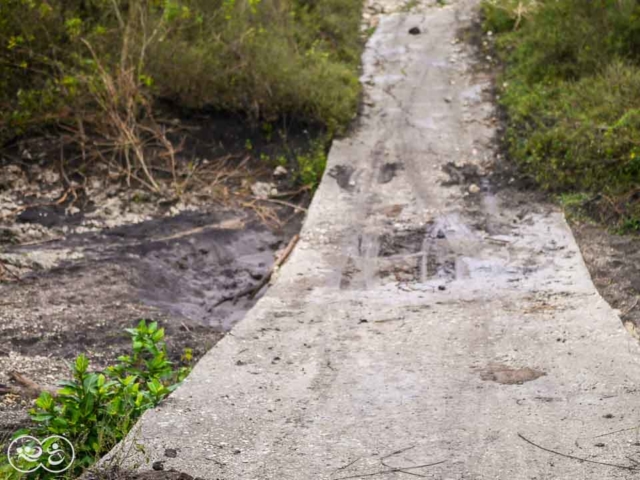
(95, 410)
(571, 91)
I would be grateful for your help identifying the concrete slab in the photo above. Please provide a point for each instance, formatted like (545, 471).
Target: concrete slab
(417, 326)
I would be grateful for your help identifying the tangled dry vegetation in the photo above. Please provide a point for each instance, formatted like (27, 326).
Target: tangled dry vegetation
(96, 70)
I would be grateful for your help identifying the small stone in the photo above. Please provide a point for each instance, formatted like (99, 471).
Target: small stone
(473, 188)
(159, 465)
(440, 234)
(261, 189)
(171, 453)
(237, 451)
(414, 31)
(448, 99)
(442, 288)
(280, 171)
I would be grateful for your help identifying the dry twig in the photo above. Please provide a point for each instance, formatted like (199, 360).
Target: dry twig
(580, 459)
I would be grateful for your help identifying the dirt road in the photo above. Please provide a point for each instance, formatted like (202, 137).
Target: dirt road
(428, 323)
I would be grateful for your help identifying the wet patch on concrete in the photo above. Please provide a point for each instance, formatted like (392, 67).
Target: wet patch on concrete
(388, 171)
(404, 243)
(343, 176)
(505, 375)
(467, 173)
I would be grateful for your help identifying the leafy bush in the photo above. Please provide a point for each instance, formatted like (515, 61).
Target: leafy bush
(571, 91)
(95, 410)
(266, 58)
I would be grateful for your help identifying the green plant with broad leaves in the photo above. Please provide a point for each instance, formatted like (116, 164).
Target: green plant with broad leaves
(95, 410)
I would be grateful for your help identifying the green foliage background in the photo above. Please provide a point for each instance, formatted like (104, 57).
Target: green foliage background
(571, 90)
(263, 57)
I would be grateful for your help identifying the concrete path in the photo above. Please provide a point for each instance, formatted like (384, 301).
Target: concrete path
(416, 323)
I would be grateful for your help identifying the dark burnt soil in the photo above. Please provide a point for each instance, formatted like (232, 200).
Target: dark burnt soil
(74, 273)
(614, 263)
(177, 271)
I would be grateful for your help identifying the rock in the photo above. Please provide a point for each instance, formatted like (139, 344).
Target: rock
(440, 234)
(414, 31)
(171, 453)
(262, 189)
(159, 465)
(473, 188)
(448, 99)
(280, 171)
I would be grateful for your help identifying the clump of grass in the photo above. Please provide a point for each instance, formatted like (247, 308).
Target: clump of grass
(571, 91)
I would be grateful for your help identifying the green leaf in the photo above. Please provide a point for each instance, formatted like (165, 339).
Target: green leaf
(158, 335)
(41, 417)
(82, 363)
(67, 392)
(45, 401)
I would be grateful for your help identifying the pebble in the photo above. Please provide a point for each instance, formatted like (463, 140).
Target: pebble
(280, 171)
(473, 188)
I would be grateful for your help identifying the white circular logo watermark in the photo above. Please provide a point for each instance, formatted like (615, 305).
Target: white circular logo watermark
(55, 454)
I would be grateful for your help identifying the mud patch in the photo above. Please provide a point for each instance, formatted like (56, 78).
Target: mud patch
(415, 255)
(503, 374)
(342, 175)
(404, 243)
(388, 172)
(467, 173)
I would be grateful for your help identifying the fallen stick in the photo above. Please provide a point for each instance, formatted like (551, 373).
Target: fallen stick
(580, 459)
(5, 390)
(393, 470)
(30, 387)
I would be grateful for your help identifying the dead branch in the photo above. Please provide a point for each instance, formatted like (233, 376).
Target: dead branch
(394, 470)
(29, 387)
(4, 268)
